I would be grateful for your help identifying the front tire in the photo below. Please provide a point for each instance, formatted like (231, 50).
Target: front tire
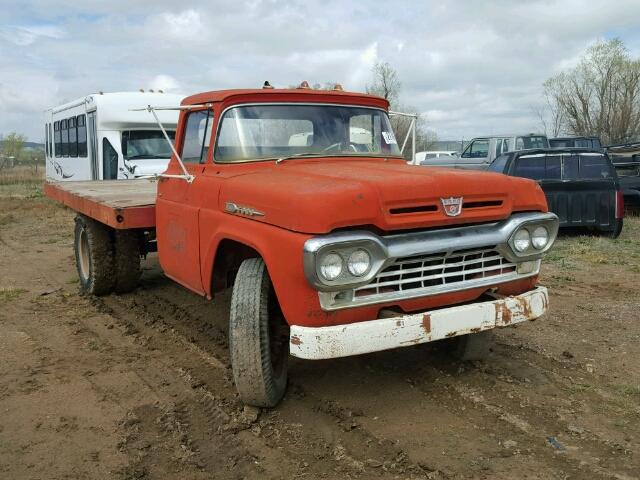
(258, 337)
(93, 248)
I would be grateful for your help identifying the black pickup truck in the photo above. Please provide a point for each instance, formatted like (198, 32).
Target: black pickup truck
(626, 160)
(581, 185)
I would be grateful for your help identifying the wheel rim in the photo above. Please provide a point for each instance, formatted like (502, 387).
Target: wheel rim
(83, 255)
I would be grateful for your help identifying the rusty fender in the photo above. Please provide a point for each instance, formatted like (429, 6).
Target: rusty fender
(316, 343)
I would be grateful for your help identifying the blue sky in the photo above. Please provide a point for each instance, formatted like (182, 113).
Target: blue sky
(470, 67)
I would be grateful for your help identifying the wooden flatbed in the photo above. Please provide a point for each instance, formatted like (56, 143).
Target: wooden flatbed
(121, 204)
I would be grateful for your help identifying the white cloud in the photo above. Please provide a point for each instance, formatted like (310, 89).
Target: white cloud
(473, 67)
(165, 83)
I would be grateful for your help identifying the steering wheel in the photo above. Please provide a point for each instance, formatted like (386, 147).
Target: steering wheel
(339, 144)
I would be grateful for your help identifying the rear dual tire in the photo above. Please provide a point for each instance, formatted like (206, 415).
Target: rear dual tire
(107, 260)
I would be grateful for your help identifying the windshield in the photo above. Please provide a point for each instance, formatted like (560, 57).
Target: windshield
(586, 166)
(282, 131)
(146, 144)
(525, 143)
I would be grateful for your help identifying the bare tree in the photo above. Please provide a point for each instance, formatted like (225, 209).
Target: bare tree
(600, 96)
(386, 84)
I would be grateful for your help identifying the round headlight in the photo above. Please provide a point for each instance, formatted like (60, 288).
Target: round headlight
(521, 240)
(359, 262)
(540, 238)
(331, 266)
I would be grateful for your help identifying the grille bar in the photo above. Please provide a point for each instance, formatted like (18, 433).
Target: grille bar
(455, 270)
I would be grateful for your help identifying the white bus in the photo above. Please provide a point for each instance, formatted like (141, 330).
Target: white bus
(98, 137)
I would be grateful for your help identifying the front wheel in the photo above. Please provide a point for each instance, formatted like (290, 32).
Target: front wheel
(258, 337)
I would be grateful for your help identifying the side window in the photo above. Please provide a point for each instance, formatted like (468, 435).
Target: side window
(499, 148)
(50, 141)
(58, 134)
(109, 161)
(519, 143)
(46, 139)
(499, 164)
(506, 145)
(64, 128)
(73, 137)
(197, 137)
(477, 149)
(596, 143)
(81, 122)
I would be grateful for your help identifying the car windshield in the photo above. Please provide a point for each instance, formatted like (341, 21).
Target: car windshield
(259, 132)
(146, 144)
(525, 143)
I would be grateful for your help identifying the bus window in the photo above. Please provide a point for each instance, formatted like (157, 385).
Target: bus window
(46, 139)
(64, 129)
(81, 122)
(58, 133)
(73, 137)
(50, 142)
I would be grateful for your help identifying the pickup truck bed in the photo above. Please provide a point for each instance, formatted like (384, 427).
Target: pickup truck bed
(121, 204)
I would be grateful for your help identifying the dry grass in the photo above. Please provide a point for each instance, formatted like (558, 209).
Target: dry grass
(22, 182)
(572, 250)
(9, 293)
(22, 175)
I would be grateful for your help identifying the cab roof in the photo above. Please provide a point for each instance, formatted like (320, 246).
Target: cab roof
(295, 95)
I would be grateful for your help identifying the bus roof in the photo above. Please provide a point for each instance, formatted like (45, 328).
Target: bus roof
(115, 109)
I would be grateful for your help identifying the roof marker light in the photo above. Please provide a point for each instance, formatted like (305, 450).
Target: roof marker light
(338, 87)
(304, 85)
(267, 84)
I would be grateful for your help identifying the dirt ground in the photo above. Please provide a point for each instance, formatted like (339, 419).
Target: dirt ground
(139, 385)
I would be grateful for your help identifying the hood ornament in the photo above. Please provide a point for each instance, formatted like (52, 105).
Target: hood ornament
(235, 209)
(452, 206)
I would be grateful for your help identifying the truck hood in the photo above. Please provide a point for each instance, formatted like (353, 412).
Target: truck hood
(321, 195)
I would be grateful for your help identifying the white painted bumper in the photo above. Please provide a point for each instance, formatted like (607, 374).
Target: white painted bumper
(316, 343)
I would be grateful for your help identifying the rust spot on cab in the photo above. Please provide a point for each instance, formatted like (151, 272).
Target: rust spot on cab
(296, 340)
(426, 323)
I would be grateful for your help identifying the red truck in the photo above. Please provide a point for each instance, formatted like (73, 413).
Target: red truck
(301, 202)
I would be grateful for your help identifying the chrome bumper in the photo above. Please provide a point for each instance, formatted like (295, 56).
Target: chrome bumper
(315, 343)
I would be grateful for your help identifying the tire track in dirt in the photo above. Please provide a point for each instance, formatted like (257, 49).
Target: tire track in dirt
(162, 316)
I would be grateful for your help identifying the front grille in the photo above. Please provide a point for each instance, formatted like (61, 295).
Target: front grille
(455, 271)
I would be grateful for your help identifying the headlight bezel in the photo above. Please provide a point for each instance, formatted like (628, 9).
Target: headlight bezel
(345, 248)
(532, 251)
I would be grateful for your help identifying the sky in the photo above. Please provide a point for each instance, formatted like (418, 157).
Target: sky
(469, 67)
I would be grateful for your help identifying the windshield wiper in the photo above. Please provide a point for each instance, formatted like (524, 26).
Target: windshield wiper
(297, 155)
(134, 157)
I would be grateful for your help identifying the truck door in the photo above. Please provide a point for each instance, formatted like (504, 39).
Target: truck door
(178, 204)
(476, 155)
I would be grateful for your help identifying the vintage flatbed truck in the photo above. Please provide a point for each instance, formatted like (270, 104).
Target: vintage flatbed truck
(300, 201)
